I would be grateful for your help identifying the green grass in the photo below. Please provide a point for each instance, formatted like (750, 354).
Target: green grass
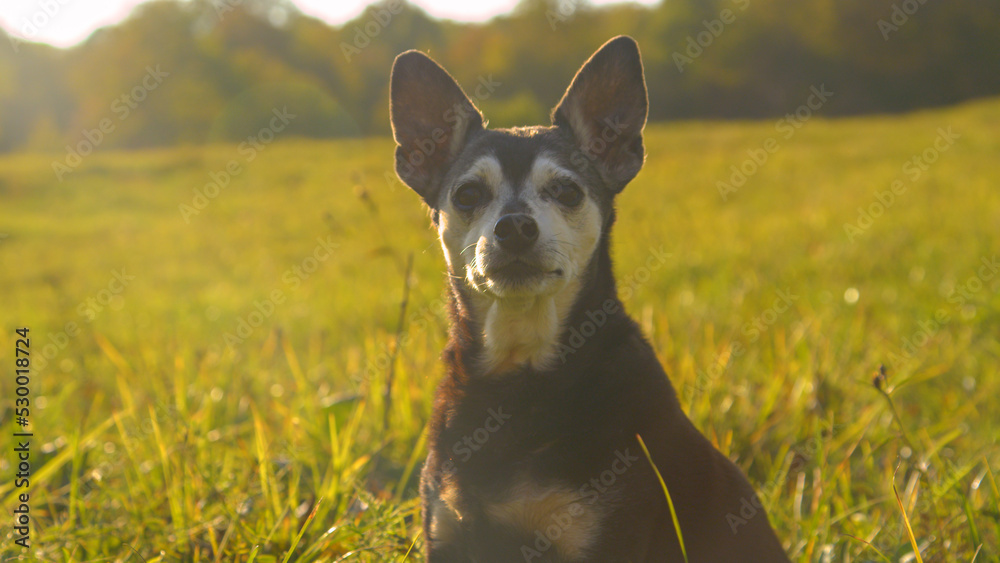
(158, 441)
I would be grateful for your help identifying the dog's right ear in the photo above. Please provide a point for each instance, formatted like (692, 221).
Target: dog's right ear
(431, 119)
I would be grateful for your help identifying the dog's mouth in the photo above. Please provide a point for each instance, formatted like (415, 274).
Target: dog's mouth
(519, 271)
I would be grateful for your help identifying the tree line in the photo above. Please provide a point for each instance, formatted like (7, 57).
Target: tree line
(220, 68)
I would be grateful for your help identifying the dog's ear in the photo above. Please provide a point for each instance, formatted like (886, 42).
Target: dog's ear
(605, 107)
(431, 119)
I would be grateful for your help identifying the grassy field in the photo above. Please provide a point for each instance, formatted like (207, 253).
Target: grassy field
(210, 380)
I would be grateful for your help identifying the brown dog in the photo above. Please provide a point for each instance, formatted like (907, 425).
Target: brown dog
(533, 449)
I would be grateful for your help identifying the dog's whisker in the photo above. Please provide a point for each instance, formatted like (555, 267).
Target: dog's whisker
(566, 242)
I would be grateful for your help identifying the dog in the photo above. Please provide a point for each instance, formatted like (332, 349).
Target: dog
(534, 450)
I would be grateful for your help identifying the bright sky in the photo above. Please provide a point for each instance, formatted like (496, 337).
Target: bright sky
(67, 22)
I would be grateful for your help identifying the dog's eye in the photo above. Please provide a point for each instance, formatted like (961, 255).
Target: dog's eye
(566, 192)
(470, 195)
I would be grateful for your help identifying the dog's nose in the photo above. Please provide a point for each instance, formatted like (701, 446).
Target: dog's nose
(516, 232)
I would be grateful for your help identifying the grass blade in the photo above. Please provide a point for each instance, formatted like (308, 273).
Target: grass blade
(670, 502)
(906, 521)
(411, 464)
(869, 544)
(993, 482)
(302, 531)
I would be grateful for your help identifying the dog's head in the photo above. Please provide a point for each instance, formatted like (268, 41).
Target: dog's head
(521, 211)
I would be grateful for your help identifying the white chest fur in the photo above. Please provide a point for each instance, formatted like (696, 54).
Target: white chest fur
(525, 331)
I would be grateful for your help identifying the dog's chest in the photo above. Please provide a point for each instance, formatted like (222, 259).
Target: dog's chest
(557, 521)
(519, 458)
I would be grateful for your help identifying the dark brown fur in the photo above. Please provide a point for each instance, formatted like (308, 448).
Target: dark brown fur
(571, 424)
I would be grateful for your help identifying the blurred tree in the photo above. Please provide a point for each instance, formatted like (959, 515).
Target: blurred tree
(315, 113)
(225, 64)
(520, 109)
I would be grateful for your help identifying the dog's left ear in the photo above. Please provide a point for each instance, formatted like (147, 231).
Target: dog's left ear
(605, 107)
